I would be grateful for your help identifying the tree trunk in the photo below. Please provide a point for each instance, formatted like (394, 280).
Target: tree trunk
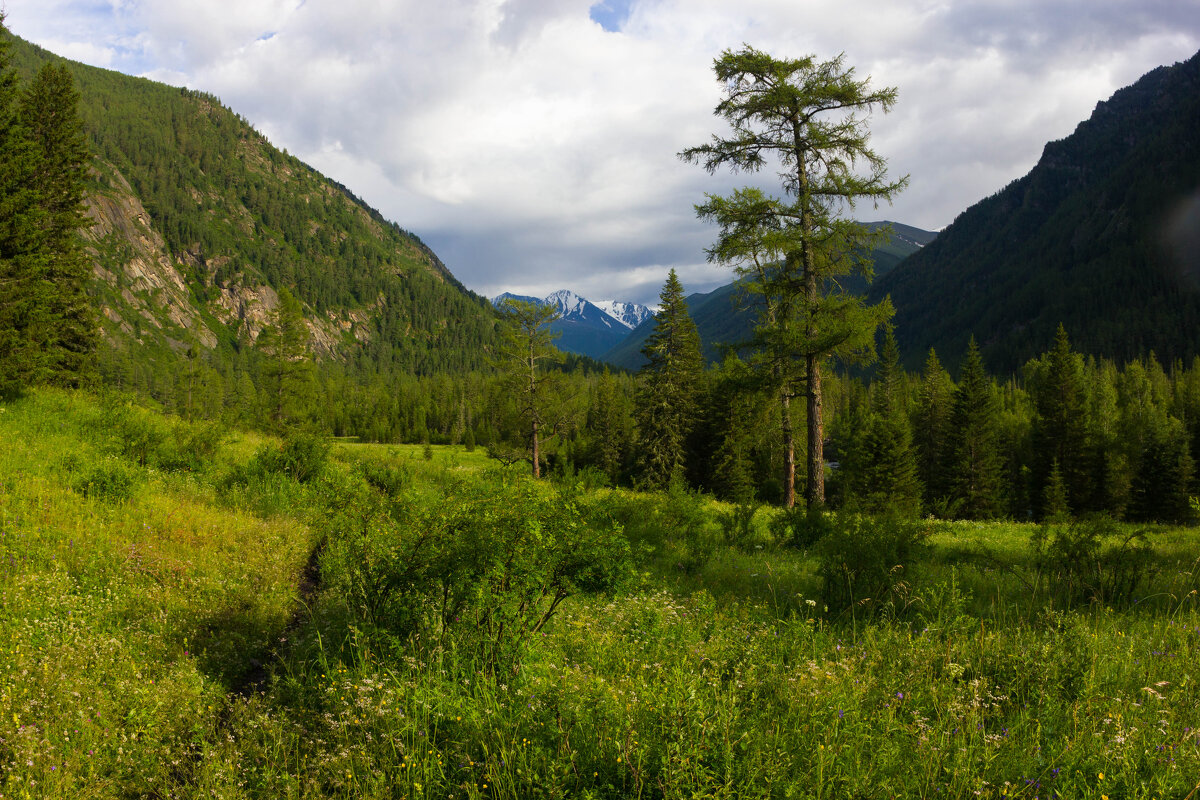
(815, 487)
(789, 449)
(537, 470)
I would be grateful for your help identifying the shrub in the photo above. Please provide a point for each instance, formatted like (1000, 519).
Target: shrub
(862, 561)
(112, 480)
(484, 569)
(800, 526)
(1082, 568)
(301, 457)
(740, 530)
(389, 479)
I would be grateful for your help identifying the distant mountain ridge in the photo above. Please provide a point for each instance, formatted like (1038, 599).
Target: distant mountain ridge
(723, 318)
(583, 327)
(1100, 236)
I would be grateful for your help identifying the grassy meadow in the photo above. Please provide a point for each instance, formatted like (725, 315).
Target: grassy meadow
(192, 612)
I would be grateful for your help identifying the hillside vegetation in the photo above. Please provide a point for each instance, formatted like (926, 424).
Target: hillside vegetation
(1095, 237)
(463, 632)
(197, 224)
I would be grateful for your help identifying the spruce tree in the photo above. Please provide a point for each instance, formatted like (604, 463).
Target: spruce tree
(286, 370)
(931, 427)
(1059, 430)
(891, 478)
(49, 113)
(1164, 472)
(25, 291)
(975, 469)
(666, 395)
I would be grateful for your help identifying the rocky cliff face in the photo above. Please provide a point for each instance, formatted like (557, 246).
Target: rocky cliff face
(145, 293)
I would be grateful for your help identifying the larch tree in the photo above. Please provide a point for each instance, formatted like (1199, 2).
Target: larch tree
(809, 117)
(666, 395)
(526, 349)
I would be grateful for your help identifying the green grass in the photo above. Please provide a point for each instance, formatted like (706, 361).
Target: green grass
(132, 618)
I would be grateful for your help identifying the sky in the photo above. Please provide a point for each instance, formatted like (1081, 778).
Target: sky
(532, 143)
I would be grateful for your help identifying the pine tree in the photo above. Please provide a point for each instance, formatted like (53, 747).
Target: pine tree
(975, 467)
(666, 396)
(805, 114)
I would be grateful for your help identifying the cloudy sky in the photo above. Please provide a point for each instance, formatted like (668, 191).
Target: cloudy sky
(532, 143)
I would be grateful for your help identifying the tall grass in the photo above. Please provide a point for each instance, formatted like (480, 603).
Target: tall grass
(132, 617)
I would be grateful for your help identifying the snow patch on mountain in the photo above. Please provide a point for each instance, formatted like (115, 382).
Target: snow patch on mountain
(628, 314)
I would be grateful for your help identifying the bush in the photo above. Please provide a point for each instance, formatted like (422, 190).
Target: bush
(862, 562)
(112, 480)
(301, 457)
(740, 530)
(801, 527)
(485, 569)
(1082, 568)
(389, 479)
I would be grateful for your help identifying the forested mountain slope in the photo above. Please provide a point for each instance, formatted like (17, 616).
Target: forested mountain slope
(1096, 237)
(198, 222)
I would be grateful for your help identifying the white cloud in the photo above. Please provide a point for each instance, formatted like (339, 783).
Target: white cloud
(535, 150)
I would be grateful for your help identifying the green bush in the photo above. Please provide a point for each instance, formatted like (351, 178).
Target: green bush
(112, 480)
(1092, 560)
(482, 570)
(801, 527)
(301, 457)
(862, 562)
(390, 479)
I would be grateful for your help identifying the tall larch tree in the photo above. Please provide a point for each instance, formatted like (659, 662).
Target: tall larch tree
(810, 118)
(666, 395)
(526, 349)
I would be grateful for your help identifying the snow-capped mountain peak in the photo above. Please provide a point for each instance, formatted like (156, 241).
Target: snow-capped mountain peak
(629, 314)
(568, 303)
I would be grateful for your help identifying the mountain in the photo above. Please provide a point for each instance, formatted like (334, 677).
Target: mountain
(582, 327)
(721, 315)
(1100, 236)
(628, 314)
(198, 223)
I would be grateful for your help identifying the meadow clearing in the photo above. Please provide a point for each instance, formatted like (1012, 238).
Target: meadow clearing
(191, 612)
